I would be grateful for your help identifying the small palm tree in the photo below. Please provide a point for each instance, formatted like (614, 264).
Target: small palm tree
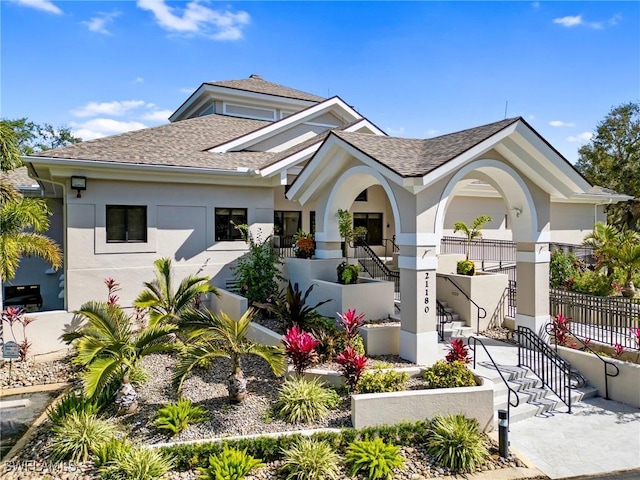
(22, 223)
(603, 240)
(472, 231)
(625, 255)
(108, 347)
(220, 336)
(163, 303)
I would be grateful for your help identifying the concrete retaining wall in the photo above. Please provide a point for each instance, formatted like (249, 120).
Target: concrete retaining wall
(232, 304)
(44, 332)
(381, 339)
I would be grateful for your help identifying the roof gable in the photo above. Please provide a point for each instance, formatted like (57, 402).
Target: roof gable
(255, 83)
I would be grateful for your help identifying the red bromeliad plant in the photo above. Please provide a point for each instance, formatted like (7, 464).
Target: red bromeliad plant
(352, 365)
(458, 352)
(300, 348)
(560, 328)
(13, 316)
(113, 287)
(635, 334)
(618, 349)
(351, 323)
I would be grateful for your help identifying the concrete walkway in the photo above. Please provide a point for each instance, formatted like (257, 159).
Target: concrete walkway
(599, 436)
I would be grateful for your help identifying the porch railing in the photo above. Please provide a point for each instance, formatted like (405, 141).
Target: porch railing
(554, 371)
(375, 267)
(480, 311)
(607, 320)
(444, 317)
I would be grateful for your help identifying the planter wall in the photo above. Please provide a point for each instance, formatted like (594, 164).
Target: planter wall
(263, 335)
(488, 290)
(303, 271)
(232, 304)
(373, 409)
(624, 388)
(381, 339)
(374, 298)
(45, 331)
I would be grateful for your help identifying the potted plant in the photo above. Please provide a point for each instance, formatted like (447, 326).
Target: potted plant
(468, 267)
(303, 246)
(347, 232)
(348, 273)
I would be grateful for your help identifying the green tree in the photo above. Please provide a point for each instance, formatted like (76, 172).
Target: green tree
(612, 160)
(34, 137)
(108, 347)
(165, 304)
(9, 149)
(471, 231)
(214, 336)
(624, 254)
(604, 239)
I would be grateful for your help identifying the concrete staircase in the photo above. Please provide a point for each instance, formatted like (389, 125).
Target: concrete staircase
(535, 398)
(454, 327)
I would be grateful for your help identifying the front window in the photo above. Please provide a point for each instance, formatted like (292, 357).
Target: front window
(126, 224)
(287, 224)
(226, 218)
(373, 223)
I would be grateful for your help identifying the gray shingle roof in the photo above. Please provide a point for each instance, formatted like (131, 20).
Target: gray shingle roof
(255, 83)
(19, 178)
(415, 158)
(176, 144)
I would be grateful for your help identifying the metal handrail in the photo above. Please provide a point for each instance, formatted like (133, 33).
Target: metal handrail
(394, 248)
(553, 370)
(384, 271)
(550, 330)
(442, 312)
(478, 307)
(510, 390)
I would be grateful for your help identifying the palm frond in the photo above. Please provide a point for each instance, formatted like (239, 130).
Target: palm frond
(99, 374)
(194, 355)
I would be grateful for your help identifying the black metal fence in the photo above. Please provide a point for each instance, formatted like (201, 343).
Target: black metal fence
(486, 252)
(606, 320)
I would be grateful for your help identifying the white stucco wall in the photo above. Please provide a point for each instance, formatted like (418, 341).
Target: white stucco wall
(180, 225)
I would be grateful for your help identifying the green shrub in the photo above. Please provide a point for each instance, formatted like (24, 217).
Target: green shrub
(348, 273)
(448, 375)
(79, 435)
(466, 267)
(302, 400)
(176, 417)
(456, 442)
(374, 458)
(135, 463)
(592, 283)
(378, 381)
(562, 268)
(111, 449)
(69, 403)
(310, 459)
(230, 464)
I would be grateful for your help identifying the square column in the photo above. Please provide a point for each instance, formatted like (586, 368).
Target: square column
(418, 332)
(532, 295)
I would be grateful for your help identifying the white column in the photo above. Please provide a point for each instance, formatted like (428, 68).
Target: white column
(532, 268)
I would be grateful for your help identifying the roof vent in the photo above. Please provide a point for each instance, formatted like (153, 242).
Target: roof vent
(256, 76)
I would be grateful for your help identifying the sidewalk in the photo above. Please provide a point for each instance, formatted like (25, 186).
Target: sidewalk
(599, 436)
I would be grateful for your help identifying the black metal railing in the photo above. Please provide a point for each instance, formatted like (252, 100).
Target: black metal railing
(611, 370)
(607, 320)
(554, 371)
(510, 390)
(512, 306)
(284, 245)
(484, 251)
(390, 246)
(375, 267)
(480, 311)
(444, 317)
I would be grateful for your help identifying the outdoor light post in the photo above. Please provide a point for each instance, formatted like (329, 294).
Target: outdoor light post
(503, 433)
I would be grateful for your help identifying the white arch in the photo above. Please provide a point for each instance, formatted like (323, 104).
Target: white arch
(340, 194)
(528, 212)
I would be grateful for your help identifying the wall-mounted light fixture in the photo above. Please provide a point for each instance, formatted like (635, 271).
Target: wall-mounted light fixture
(518, 211)
(78, 184)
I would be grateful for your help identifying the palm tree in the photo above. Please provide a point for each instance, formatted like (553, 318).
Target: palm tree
(625, 255)
(108, 347)
(163, 303)
(22, 223)
(220, 336)
(9, 148)
(472, 231)
(603, 240)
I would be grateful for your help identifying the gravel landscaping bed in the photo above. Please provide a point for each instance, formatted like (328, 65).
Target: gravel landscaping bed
(26, 374)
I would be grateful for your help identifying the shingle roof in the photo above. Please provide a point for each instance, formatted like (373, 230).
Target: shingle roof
(176, 144)
(255, 83)
(19, 178)
(415, 158)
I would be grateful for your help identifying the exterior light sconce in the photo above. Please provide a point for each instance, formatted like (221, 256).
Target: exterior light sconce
(78, 184)
(518, 211)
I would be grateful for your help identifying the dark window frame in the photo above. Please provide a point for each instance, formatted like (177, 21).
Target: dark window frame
(379, 216)
(128, 230)
(231, 234)
(279, 222)
(363, 196)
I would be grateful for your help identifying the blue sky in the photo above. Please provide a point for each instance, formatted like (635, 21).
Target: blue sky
(416, 69)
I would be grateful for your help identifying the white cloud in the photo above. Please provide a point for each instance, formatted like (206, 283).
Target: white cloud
(44, 5)
(138, 80)
(108, 108)
(98, 24)
(395, 132)
(577, 20)
(157, 115)
(102, 127)
(197, 19)
(432, 132)
(582, 137)
(560, 123)
(531, 117)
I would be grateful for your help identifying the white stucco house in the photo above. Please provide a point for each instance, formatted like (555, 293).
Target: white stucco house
(252, 151)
